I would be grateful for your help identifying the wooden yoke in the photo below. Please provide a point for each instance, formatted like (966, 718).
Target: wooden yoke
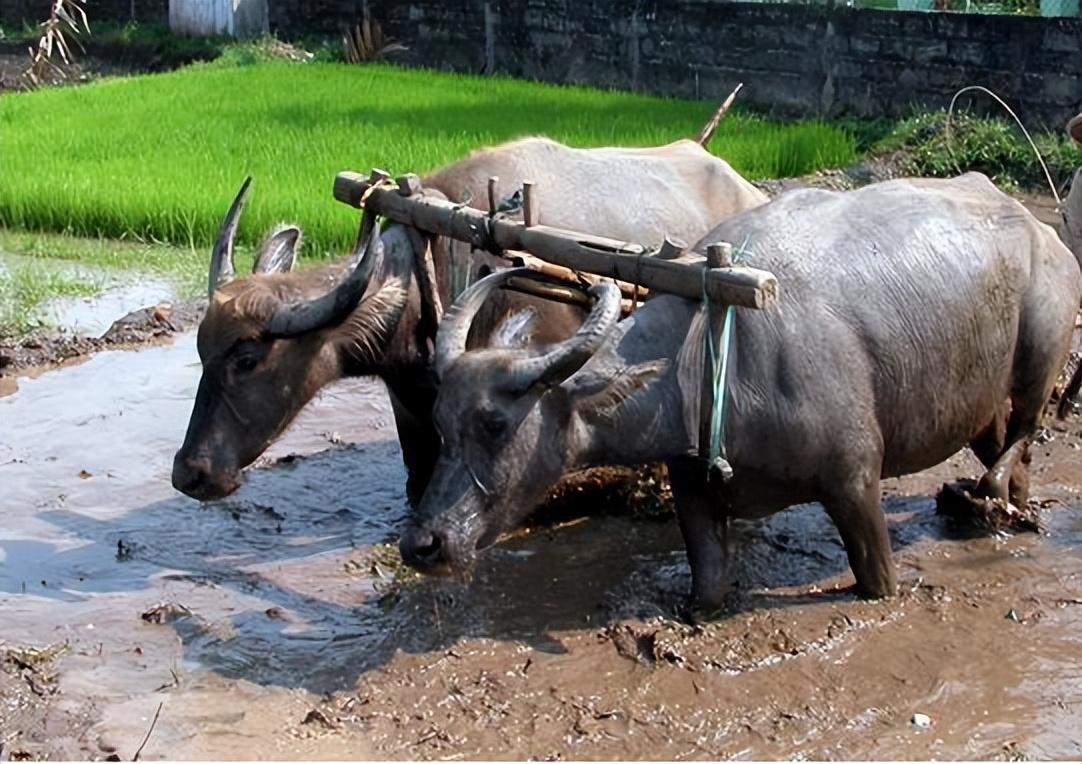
(633, 263)
(560, 255)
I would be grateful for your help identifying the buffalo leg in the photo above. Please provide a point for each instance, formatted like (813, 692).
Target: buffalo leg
(417, 436)
(990, 446)
(1008, 478)
(701, 527)
(854, 508)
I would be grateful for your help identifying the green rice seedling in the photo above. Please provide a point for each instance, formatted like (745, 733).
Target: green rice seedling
(24, 286)
(159, 157)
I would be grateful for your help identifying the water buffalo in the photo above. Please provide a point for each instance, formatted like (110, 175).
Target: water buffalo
(915, 317)
(1072, 236)
(270, 341)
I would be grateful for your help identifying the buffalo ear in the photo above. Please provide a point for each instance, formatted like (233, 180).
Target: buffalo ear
(279, 251)
(516, 329)
(601, 404)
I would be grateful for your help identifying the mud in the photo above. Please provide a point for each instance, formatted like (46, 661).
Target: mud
(79, 335)
(278, 623)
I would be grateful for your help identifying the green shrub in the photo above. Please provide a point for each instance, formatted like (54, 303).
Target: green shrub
(992, 146)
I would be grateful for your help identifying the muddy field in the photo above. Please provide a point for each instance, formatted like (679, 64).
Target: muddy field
(278, 623)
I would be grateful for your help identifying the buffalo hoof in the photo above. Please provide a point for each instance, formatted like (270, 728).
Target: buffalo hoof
(695, 612)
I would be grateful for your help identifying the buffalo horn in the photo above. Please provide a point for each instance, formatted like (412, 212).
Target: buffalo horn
(569, 356)
(549, 369)
(455, 327)
(331, 308)
(221, 257)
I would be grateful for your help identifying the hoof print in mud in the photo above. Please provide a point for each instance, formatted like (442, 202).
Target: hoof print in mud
(648, 643)
(959, 502)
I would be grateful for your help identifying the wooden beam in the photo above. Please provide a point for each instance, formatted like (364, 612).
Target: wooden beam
(569, 294)
(683, 276)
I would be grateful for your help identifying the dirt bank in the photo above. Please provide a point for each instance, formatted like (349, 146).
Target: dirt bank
(273, 624)
(45, 348)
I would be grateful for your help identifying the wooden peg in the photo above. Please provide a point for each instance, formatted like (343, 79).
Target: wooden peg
(719, 254)
(671, 249)
(492, 194)
(529, 204)
(409, 184)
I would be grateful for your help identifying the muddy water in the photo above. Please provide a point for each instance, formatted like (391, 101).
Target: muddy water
(287, 634)
(94, 315)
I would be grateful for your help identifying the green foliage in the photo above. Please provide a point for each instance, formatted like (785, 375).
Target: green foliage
(992, 146)
(25, 285)
(159, 157)
(159, 39)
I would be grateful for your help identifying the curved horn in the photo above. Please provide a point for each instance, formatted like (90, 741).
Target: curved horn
(221, 257)
(549, 369)
(569, 356)
(332, 307)
(455, 327)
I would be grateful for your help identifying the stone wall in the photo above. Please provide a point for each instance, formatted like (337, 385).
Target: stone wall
(794, 59)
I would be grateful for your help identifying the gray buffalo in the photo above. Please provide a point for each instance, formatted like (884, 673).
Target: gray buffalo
(271, 340)
(915, 317)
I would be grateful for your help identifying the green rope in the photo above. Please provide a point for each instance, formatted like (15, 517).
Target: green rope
(719, 352)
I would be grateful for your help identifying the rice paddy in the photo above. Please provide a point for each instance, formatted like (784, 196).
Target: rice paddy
(159, 157)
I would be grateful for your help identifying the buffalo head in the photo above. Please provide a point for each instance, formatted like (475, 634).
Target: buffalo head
(509, 427)
(269, 341)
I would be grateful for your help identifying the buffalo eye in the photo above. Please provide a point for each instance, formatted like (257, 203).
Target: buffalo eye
(246, 363)
(247, 357)
(492, 423)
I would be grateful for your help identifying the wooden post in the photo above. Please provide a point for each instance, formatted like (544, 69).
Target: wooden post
(529, 204)
(426, 272)
(492, 194)
(378, 176)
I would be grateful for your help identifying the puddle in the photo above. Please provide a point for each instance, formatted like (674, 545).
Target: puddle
(292, 644)
(94, 315)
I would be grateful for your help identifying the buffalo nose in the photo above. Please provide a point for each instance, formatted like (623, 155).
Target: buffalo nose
(422, 548)
(191, 475)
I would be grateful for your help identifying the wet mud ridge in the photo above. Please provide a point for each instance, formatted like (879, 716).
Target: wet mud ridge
(145, 325)
(279, 623)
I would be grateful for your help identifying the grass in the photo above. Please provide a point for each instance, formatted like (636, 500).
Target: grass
(159, 157)
(24, 286)
(43, 267)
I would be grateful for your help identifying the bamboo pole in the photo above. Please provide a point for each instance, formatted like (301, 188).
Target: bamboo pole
(684, 276)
